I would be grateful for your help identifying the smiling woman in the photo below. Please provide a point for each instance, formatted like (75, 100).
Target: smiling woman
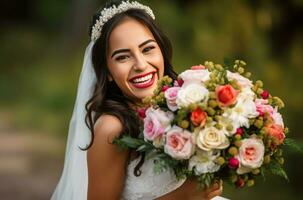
(134, 60)
(126, 57)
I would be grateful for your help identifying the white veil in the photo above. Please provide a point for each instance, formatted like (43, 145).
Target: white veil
(74, 180)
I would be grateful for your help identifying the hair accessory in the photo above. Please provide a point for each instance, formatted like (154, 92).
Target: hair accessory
(108, 13)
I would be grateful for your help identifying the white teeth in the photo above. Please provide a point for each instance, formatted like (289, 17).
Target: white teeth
(143, 79)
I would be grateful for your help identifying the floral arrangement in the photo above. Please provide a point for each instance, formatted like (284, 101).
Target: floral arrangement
(213, 123)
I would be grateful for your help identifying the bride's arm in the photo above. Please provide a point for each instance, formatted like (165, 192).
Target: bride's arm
(106, 162)
(189, 191)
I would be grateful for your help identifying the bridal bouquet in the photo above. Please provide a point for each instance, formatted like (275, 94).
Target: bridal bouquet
(213, 122)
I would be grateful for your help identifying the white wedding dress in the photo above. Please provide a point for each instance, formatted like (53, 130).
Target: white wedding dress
(150, 185)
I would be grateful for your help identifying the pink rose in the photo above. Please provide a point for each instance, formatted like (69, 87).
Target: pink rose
(156, 123)
(251, 153)
(179, 143)
(263, 107)
(226, 95)
(171, 96)
(276, 132)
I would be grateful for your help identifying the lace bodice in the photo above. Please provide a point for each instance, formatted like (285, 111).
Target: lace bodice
(148, 185)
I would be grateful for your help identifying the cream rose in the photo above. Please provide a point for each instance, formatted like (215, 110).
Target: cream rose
(251, 153)
(179, 143)
(211, 138)
(192, 93)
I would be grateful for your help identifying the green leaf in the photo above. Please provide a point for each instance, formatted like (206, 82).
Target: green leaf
(275, 168)
(129, 142)
(293, 145)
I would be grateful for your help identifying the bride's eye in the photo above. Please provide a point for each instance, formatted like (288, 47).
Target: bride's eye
(147, 49)
(122, 58)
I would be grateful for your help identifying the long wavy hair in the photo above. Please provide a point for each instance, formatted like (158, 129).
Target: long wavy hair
(107, 97)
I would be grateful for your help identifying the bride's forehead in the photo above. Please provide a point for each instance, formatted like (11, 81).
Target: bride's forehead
(129, 31)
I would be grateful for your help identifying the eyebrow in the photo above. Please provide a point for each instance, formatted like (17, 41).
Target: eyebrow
(127, 50)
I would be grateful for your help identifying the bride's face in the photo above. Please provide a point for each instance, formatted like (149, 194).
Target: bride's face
(134, 59)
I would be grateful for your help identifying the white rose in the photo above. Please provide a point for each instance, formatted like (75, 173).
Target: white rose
(194, 76)
(192, 93)
(251, 153)
(204, 162)
(211, 138)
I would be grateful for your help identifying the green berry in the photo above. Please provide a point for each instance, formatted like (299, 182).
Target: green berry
(266, 159)
(220, 160)
(233, 151)
(212, 103)
(241, 70)
(255, 171)
(250, 183)
(184, 124)
(238, 143)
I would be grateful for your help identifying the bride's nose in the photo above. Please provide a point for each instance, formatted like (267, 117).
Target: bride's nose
(140, 63)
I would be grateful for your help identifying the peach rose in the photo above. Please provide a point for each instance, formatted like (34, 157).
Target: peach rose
(198, 117)
(251, 153)
(179, 143)
(226, 95)
(276, 132)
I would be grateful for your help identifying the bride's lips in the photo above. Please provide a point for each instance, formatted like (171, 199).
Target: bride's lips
(143, 80)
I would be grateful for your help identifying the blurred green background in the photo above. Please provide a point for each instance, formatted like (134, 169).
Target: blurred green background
(42, 46)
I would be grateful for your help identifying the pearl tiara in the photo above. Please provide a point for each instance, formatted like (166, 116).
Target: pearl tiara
(108, 13)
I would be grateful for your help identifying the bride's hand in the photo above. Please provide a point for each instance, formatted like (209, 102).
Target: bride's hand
(193, 193)
(189, 191)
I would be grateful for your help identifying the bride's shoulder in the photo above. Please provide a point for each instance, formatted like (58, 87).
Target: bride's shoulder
(108, 126)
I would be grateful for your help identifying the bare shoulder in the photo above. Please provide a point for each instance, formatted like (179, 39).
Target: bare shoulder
(108, 126)
(106, 161)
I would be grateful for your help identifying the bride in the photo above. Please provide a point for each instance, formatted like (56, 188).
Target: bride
(125, 58)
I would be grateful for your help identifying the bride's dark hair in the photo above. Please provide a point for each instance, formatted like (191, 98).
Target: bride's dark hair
(107, 97)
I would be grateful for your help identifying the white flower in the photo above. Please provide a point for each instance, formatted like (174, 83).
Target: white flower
(242, 112)
(203, 162)
(192, 93)
(210, 138)
(277, 117)
(194, 76)
(225, 122)
(241, 80)
(246, 94)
